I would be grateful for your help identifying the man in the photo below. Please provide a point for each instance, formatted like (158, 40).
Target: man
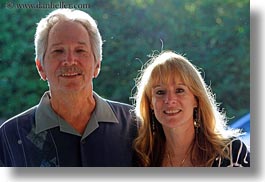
(72, 125)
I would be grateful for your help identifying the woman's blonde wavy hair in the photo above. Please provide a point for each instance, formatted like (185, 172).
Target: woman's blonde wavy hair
(213, 135)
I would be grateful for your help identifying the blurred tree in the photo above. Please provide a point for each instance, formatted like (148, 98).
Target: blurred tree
(213, 34)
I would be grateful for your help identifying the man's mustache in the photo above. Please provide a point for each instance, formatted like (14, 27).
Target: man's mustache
(69, 70)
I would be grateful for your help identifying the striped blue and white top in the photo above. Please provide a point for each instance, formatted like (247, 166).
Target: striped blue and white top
(239, 156)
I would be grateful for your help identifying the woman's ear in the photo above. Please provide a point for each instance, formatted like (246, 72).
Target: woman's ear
(151, 106)
(196, 102)
(40, 70)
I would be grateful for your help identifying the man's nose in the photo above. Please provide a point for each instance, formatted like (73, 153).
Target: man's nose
(70, 58)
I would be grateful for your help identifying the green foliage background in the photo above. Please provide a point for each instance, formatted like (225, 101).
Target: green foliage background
(215, 35)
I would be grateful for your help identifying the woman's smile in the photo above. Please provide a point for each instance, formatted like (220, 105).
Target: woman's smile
(172, 112)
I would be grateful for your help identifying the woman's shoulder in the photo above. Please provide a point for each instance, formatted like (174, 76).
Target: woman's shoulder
(239, 155)
(236, 144)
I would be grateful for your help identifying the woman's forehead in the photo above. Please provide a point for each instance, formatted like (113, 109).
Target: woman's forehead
(167, 78)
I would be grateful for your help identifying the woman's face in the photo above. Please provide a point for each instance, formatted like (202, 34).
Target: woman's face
(173, 104)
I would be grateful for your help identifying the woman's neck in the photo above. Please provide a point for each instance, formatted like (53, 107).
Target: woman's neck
(179, 143)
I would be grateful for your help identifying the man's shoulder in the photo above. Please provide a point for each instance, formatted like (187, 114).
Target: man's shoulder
(24, 116)
(119, 105)
(122, 109)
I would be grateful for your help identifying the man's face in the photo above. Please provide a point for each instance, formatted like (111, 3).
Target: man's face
(69, 64)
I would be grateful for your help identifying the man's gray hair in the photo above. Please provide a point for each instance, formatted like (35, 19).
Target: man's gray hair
(45, 25)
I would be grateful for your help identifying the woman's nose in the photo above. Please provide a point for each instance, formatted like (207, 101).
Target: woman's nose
(170, 98)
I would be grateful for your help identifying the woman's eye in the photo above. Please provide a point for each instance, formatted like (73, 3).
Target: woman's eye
(160, 92)
(180, 90)
(80, 50)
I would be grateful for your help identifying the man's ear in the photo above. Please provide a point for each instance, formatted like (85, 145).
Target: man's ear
(97, 69)
(40, 70)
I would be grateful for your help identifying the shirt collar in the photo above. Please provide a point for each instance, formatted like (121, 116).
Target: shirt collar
(46, 118)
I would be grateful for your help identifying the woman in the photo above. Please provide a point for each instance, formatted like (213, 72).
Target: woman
(180, 122)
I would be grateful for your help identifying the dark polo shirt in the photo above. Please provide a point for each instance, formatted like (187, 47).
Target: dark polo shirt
(39, 137)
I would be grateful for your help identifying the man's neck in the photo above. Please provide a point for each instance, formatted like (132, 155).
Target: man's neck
(74, 108)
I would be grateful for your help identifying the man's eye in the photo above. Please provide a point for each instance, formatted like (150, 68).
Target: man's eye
(58, 51)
